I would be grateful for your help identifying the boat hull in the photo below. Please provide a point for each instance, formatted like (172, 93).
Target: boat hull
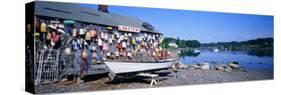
(116, 68)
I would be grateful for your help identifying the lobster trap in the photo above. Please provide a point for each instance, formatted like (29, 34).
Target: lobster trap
(48, 67)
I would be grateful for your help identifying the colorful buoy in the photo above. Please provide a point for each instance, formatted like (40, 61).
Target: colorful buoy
(69, 22)
(43, 27)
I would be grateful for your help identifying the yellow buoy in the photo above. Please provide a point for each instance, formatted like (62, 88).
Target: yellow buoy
(43, 27)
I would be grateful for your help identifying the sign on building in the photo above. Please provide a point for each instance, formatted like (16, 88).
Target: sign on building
(128, 28)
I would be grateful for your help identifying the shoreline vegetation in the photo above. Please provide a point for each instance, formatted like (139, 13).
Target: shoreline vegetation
(257, 47)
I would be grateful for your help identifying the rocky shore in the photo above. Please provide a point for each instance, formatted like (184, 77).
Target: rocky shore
(184, 76)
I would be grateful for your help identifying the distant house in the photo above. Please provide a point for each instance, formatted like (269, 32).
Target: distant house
(173, 44)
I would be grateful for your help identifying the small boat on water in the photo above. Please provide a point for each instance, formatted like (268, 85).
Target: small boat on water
(117, 68)
(196, 51)
(216, 50)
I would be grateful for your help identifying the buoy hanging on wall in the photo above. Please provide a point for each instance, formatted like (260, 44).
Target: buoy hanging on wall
(43, 27)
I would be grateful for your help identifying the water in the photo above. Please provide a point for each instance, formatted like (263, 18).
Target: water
(245, 60)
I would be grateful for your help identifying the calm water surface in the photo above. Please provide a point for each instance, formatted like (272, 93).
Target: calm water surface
(247, 61)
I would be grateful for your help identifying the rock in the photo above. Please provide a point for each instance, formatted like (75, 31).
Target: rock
(233, 65)
(174, 68)
(192, 66)
(182, 66)
(228, 69)
(196, 66)
(205, 66)
(224, 68)
(202, 66)
(234, 62)
(64, 80)
(212, 67)
(220, 68)
(79, 81)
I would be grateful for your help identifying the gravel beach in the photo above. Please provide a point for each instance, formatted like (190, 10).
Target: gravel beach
(182, 77)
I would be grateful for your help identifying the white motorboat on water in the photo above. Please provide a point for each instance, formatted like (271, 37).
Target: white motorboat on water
(216, 50)
(196, 51)
(116, 68)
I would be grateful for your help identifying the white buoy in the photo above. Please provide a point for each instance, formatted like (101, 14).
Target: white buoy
(67, 51)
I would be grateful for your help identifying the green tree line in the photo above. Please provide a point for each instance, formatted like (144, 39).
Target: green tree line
(181, 43)
(260, 42)
(259, 47)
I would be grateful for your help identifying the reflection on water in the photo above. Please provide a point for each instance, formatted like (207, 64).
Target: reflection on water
(245, 59)
(260, 52)
(189, 54)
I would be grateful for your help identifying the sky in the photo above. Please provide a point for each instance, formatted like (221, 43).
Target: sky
(206, 27)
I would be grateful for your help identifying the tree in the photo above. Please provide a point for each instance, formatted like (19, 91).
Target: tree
(181, 43)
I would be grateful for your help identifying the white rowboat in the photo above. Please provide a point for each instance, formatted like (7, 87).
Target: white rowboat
(131, 67)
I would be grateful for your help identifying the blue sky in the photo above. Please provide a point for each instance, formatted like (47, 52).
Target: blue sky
(205, 27)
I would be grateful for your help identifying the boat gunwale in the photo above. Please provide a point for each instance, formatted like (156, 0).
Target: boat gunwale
(135, 72)
(163, 61)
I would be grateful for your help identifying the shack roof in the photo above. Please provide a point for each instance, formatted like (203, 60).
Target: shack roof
(76, 12)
